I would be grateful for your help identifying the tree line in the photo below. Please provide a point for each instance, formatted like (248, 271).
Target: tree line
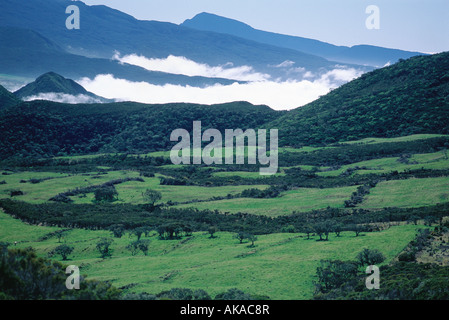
(105, 215)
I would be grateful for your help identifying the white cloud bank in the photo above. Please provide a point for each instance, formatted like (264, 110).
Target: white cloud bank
(182, 65)
(259, 89)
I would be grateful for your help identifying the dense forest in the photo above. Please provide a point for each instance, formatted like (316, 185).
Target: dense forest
(45, 129)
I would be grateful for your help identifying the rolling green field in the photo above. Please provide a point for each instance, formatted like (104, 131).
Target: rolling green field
(408, 193)
(433, 161)
(130, 192)
(43, 191)
(397, 139)
(281, 266)
(243, 174)
(299, 200)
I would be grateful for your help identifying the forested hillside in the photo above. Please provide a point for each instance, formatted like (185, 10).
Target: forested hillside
(52, 82)
(43, 128)
(7, 99)
(409, 97)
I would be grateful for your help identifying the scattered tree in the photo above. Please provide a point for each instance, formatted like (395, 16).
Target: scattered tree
(333, 273)
(106, 194)
(133, 247)
(252, 238)
(139, 245)
(63, 250)
(103, 247)
(212, 230)
(308, 229)
(357, 228)
(151, 196)
(143, 246)
(369, 257)
(118, 230)
(323, 229)
(138, 232)
(240, 236)
(338, 228)
(60, 234)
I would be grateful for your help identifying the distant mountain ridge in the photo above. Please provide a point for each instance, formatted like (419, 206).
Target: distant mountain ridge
(361, 54)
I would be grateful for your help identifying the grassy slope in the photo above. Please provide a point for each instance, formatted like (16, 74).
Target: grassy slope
(128, 191)
(433, 161)
(300, 200)
(412, 137)
(408, 193)
(281, 266)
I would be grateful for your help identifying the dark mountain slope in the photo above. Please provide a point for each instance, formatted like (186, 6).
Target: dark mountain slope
(364, 55)
(7, 99)
(409, 97)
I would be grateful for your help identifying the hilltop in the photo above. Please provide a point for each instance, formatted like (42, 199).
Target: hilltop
(54, 83)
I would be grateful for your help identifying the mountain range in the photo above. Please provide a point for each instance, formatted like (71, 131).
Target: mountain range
(27, 53)
(360, 54)
(34, 40)
(104, 31)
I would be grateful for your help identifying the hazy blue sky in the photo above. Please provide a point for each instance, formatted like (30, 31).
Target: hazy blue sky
(416, 25)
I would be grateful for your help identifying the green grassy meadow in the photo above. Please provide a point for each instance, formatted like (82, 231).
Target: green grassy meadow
(397, 139)
(299, 200)
(432, 161)
(129, 192)
(408, 193)
(281, 266)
